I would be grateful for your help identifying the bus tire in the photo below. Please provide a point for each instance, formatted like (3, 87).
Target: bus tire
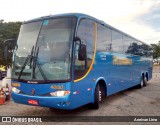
(97, 97)
(145, 81)
(141, 83)
(0, 76)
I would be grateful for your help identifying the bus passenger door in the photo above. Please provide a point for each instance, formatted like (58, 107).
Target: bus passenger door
(84, 59)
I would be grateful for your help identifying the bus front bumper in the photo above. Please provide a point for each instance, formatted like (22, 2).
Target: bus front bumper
(43, 101)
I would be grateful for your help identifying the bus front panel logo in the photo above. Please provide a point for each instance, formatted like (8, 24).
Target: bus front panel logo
(33, 92)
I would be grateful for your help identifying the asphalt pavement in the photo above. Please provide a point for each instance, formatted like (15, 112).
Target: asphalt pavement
(132, 102)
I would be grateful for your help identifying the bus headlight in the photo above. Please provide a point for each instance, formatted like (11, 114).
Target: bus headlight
(60, 93)
(14, 89)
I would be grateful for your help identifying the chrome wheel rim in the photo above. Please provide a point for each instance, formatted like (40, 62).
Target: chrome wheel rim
(141, 83)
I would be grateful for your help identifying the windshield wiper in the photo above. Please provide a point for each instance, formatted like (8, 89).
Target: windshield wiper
(36, 62)
(26, 61)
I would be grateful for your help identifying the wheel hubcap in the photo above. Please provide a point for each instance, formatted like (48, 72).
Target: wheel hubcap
(100, 96)
(142, 83)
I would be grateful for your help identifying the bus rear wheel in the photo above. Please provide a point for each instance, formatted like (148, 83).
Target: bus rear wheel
(97, 97)
(141, 83)
(145, 81)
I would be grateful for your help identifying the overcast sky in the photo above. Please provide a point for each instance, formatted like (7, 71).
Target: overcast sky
(139, 18)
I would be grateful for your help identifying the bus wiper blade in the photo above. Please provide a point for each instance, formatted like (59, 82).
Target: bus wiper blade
(26, 61)
(31, 59)
(36, 62)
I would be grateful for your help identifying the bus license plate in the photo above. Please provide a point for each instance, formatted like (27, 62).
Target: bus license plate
(33, 102)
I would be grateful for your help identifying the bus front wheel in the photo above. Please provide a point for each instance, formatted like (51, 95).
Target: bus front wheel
(97, 97)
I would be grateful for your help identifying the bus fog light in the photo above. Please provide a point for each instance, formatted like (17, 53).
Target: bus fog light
(60, 93)
(14, 89)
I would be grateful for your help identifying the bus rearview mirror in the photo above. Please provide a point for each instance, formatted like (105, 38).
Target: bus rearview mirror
(5, 53)
(7, 44)
(82, 52)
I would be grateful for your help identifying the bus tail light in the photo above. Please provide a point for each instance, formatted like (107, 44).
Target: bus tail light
(60, 93)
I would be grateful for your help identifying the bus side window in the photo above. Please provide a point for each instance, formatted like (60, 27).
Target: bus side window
(104, 38)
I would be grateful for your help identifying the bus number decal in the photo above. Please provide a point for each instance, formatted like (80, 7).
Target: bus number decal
(57, 86)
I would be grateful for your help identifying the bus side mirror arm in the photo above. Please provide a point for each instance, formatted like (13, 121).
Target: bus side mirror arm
(79, 40)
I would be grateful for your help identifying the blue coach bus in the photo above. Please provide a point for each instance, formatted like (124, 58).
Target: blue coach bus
(70, 60)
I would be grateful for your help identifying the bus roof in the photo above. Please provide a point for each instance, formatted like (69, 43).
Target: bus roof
(81, 15)
(78, 15)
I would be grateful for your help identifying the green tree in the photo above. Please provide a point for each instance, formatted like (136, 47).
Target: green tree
(8, 30)
(156, 50)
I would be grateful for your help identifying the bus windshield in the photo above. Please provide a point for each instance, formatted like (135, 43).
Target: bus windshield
(49, 41)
